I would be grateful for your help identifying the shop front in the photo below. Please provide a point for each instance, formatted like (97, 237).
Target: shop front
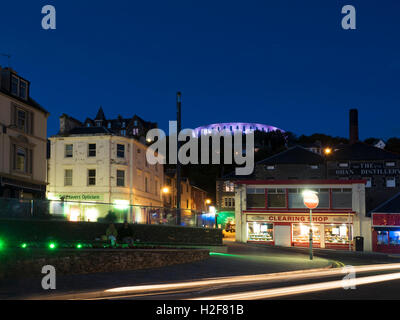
(329, 231)
(386, 232)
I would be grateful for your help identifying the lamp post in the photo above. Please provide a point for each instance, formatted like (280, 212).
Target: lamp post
(311, 201)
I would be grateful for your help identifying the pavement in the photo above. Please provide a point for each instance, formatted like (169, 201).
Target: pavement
(241, 259)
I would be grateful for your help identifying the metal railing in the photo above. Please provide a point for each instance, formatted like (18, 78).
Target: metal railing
(100, 212)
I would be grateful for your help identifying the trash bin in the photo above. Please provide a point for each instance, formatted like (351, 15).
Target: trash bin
(359, 243)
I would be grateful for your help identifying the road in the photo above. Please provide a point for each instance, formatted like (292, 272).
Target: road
(246, 272)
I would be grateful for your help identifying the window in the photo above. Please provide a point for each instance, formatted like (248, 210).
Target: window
(21, 119)
(229, 202)
(394, 238)
(229, 186)
(383, 238)
(301, 233)
(342, 198)
(69, 149)
(123, 132)
(390, 164)
(21, 160)
(19, 87)
(337, 234)
(120, 178)
(260, 231)
(314, 166)
(92, 150)
(270, 167)
(276, 198)
(120, 151)
(109, 125)
(156, 187)
(146, 184)
(68, 177)
(91, 177)
(23, 89)
(343, 165)
(14, 85)
(391, 182)
(369, 182)
(255, 198)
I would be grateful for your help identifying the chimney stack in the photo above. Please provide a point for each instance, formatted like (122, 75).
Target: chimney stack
(353, 126)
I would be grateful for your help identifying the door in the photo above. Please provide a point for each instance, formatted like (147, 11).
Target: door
(282, 236)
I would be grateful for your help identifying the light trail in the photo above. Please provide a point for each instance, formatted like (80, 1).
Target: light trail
(291, 275)
(301, 289)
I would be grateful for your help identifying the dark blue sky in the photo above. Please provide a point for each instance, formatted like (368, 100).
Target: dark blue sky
(283, 63)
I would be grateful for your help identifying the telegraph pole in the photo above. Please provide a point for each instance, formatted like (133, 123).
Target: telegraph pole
(178, 165)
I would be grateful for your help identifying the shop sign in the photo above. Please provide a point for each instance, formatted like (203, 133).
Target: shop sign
(366, 169)
(299, 219)
(80, 197)
(386, 219)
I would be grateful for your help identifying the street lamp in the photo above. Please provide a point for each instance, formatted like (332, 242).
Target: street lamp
(327, 151)
(311, 201)
(165, 190)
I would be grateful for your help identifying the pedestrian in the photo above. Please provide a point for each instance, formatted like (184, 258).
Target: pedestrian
(125, 234)
(112, 234)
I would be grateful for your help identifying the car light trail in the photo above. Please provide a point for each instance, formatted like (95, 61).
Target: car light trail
(291, 275)
(301, 289)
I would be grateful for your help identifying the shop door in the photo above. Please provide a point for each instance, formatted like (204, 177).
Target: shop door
(283, 236)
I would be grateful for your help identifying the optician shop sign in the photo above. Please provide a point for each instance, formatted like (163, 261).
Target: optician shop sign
(299, 218)
(80, 197)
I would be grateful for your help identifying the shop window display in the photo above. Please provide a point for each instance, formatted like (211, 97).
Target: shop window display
(383, 238)
(259, 231)
(301, 233)
(394, 237)
(337, 234)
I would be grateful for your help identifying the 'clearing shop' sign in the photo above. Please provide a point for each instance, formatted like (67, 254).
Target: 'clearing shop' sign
(299, 218)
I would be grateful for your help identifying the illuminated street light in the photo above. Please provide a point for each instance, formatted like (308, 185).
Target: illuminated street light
(311, 201)
(165, 190)
(327, 151)
(208, 201)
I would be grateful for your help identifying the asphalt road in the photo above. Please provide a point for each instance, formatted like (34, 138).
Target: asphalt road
(246, 272)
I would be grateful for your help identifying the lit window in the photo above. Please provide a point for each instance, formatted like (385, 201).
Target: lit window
(270, 167)
(391, 182)
(21, 162)
(314, 166)
(369, 182)
(390, 164)
(343, 165)
(68, 177)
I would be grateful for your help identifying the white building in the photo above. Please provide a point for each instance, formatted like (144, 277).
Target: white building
(273, 213)
(95, 165)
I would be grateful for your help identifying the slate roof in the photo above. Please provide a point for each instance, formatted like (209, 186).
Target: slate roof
(294, 155)
(390, 206)
(361, 151)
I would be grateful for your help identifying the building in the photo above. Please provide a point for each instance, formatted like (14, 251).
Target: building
(386, 226)
(235, 126)
(23, 133)
(132, 127)
(273, 213)
(192, 197)
(358, 160)
(103, 165)
(296, 163)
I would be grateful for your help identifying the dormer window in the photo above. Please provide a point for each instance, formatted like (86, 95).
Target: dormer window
(19, 87)
(109, 125)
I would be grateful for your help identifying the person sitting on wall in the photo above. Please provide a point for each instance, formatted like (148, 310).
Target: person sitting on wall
(125, 234)
(112, 234)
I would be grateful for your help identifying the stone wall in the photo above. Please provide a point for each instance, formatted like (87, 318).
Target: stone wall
(33, 230)
(93, 261)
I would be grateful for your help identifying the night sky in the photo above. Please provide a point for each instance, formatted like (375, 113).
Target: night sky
(284, 63)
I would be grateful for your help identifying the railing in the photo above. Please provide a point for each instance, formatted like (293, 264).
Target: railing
(100, 212)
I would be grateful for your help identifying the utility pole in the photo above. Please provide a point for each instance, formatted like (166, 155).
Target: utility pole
(178, 165)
